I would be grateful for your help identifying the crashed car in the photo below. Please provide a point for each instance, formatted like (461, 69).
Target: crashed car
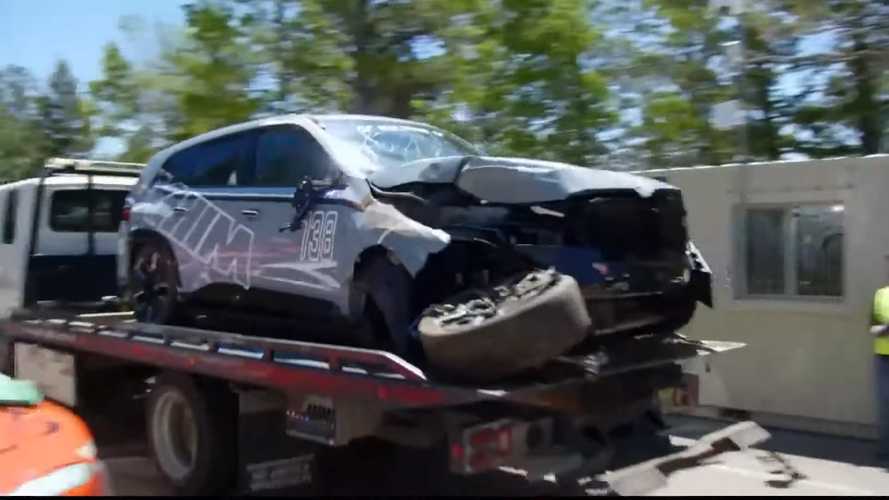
(393, 234)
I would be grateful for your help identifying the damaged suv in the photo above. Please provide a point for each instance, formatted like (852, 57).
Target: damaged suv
(366, 230)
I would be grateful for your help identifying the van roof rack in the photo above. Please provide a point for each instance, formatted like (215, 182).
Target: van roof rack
(54, 166)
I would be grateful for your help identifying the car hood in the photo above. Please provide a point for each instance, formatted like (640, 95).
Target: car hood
(513, 180)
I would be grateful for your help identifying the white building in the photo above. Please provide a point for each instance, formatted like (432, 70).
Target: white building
(797, 250)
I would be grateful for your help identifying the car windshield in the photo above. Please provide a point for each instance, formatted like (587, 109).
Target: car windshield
(390, 143)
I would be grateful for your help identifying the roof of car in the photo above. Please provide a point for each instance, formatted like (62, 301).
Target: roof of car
(294, 118)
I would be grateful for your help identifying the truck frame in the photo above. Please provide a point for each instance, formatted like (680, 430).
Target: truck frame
(556, 421)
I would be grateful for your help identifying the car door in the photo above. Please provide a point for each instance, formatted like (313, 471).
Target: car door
(204, 216)
(299, 260)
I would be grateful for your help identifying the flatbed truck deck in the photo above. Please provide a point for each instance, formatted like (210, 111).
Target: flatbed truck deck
(269, 407)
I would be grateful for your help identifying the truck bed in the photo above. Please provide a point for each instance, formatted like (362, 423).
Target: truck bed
(295, 367)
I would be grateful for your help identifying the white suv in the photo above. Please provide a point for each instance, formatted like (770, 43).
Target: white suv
(331, 222)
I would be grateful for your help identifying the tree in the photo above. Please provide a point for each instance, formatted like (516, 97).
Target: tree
(64, 116)
(523, 78)
(209, 75)
(852, 93)
(21, 141)
(117, 92)
(708, 57)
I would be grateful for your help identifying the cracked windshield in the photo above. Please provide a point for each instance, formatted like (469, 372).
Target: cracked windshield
(444, 247)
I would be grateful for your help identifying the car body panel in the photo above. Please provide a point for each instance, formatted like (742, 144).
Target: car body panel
(528, 181)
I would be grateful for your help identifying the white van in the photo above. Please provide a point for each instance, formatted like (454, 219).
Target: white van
(51, 248)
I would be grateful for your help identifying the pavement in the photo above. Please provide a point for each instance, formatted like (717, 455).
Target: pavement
(789, 463)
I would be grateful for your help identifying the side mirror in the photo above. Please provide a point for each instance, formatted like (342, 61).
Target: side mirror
(302, 199)
(303, 193)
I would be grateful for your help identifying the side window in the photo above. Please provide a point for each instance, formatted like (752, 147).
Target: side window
(287, 154)
(69, 210)
(220, 162)
(10, 216)
(765, 251)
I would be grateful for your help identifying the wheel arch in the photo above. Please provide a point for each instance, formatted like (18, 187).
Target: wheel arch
(139, 237)
(379, 278)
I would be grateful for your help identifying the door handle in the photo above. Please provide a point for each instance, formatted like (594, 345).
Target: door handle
(180, 210)
(250, 213)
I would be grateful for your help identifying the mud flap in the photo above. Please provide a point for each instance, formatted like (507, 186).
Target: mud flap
(271, 463)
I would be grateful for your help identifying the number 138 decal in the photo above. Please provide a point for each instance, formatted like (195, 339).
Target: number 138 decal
(319, 235)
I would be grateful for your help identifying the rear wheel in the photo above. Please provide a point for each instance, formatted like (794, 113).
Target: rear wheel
(192, 433)
(154, 284)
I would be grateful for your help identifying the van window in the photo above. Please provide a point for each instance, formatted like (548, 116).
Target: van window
(216, 163)
(69, 210)
(287, 154)
(9, 217)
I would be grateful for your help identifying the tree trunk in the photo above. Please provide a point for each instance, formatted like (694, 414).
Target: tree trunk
(865, 105)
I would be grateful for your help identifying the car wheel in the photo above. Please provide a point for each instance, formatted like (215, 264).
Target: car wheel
(503, 330)
(153, 284)
(192, 433)
(385, 291)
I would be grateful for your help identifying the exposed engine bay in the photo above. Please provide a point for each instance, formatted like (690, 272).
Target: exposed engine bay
(627, 248)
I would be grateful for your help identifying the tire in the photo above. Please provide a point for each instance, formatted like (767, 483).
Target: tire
(384, 292)
(154, 280)
(192, 434)
(521, 324)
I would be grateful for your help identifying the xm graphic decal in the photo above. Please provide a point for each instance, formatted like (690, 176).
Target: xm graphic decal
(204, 230)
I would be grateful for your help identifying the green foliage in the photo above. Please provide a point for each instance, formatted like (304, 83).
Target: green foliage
(210, 72)
(626, 83)
(856, 73)
(64, 116)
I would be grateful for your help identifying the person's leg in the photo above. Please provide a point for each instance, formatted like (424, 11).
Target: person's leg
(881, 375)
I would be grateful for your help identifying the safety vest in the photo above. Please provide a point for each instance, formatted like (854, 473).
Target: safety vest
(881, 317)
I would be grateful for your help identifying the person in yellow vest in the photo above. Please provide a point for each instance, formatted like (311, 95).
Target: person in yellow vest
(880, 330)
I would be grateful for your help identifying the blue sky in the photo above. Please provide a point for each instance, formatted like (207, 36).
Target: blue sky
(37, 33)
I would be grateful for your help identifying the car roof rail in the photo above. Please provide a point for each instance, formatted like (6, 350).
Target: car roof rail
(55, 166)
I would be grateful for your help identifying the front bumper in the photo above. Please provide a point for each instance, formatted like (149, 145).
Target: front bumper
(633, 296)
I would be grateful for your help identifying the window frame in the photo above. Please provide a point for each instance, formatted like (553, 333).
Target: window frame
(789, 233)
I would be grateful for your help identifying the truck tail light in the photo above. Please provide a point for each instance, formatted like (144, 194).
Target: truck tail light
(125, 213)
(483, 447)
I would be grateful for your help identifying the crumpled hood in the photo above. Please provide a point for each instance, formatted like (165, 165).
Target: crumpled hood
(514, 180)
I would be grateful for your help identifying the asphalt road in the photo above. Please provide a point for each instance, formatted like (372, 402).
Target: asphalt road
(790, 463)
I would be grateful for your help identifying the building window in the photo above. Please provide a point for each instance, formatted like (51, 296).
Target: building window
(9, 217)
(793, 250)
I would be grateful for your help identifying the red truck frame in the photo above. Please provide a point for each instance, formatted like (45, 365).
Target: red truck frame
(555, 420)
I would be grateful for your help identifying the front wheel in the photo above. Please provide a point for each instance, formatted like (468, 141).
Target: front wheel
(153, 284)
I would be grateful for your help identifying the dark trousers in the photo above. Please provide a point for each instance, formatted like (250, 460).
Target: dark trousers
(881, 374)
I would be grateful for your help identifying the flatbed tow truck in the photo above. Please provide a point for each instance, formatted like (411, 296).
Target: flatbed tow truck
(269, 406)
(230, 413)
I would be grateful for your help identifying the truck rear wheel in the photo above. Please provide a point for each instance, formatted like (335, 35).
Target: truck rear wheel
(192, 433)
